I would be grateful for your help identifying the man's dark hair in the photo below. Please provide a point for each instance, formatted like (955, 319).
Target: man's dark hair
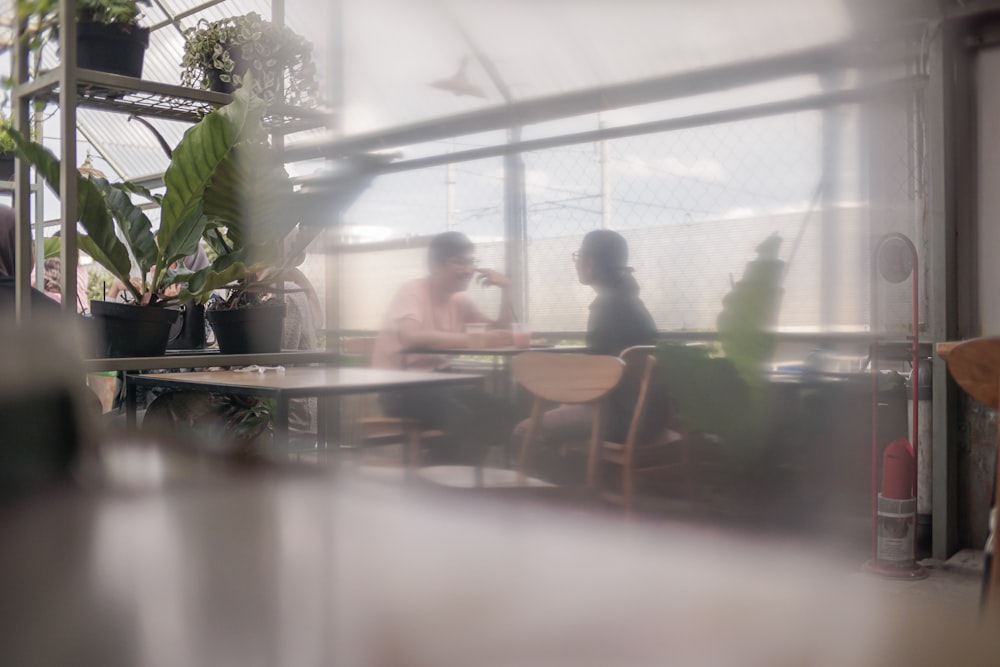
(446, 245)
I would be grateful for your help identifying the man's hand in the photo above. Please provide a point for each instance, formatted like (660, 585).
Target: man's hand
(488, 277)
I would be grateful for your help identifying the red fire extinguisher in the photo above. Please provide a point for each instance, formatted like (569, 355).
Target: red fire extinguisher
(897, 470)
(896, 515)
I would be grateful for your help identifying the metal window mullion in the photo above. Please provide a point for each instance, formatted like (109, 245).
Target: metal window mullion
(22, 250)
(67, 168)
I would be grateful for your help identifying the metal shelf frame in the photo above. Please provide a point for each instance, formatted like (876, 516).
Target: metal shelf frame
(72, 88)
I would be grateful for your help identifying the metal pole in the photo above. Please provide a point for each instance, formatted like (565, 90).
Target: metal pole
(67, 170)
(22, 250)
(605, 182)
(449, 185)
(515, 227)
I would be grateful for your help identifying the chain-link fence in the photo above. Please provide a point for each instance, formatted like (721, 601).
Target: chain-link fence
(694, 205)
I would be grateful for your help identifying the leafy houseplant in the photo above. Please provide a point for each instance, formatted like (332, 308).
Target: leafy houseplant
(7, 149)
(109, 37)
(219, 54)
(104, 208)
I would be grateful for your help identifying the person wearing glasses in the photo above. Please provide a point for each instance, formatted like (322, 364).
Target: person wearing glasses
(432, 313)
(618, 317)
(618, 320)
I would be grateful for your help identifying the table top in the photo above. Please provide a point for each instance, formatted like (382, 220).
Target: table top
(508, 351)
(178, 566)
(206, 358)
(304, 381)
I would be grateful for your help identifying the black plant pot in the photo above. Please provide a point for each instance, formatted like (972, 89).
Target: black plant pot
(132, 331)
(188, 332)
(6, 166)
(217, 85)
(114, 48)
(254, 330)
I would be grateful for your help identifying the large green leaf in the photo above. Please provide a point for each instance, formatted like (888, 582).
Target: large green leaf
(92, 212)
(53, 246)
(195, 160)
(249, 194)
(132, 222)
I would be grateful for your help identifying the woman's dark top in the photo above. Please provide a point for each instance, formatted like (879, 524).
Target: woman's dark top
(618, 320)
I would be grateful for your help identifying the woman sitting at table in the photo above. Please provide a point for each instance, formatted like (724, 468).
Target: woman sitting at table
(618, 320)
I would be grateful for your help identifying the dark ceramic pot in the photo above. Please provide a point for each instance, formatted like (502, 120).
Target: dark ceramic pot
(254, 330)
(132, 331)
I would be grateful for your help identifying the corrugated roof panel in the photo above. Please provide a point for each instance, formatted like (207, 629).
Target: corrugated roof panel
(128, 146)
(163, 57)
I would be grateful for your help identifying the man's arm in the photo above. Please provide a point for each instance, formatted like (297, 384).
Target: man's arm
(413, 336)
(488, 277)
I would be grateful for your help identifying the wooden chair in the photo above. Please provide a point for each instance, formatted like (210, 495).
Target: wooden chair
(575, 379)
(633, 457)
(381, 431)
(975, 365)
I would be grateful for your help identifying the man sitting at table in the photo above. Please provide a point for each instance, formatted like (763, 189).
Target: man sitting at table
(432, 313)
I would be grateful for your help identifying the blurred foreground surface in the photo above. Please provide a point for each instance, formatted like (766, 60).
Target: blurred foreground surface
(160, 558)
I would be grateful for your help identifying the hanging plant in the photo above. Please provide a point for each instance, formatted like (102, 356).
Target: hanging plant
(219, 54)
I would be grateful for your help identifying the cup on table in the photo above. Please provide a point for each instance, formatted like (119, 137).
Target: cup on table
(476, 334)
(521, 333)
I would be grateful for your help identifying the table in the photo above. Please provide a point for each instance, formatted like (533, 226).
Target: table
(207, 358)
(249, 567)
(501, 356)
(501, 366)
(294, 383)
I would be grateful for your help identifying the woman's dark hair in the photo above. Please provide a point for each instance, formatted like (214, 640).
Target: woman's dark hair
(607, 251)
(447, 245)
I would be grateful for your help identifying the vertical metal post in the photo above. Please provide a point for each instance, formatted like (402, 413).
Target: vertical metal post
(605, 181)
(22, 251)
(946, 124)
(449, 185)
(67, 170)
(515, 227)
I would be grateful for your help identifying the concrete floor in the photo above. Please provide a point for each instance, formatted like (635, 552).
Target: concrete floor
(952, 585)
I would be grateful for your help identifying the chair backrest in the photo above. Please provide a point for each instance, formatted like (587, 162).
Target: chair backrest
(975, 365)
(640, 364)
(568, 378)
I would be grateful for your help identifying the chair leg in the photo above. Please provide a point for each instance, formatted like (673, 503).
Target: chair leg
(596, 438)
(411, 457)
(529, 438)
(627, 487)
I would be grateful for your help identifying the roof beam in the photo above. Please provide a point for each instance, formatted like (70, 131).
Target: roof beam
(606, 98)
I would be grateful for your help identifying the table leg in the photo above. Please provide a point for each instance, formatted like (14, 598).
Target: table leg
(130, 398)
(322, 422)
(281, 423)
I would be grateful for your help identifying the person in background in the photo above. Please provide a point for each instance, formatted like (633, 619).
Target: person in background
(39, 302)
(432, 313)
(618, 320)
(196, 261)
(618, 317)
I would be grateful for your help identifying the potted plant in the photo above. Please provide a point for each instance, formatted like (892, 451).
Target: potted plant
(219, 54)
(104, 208)
(7, 149)
(109, 37)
